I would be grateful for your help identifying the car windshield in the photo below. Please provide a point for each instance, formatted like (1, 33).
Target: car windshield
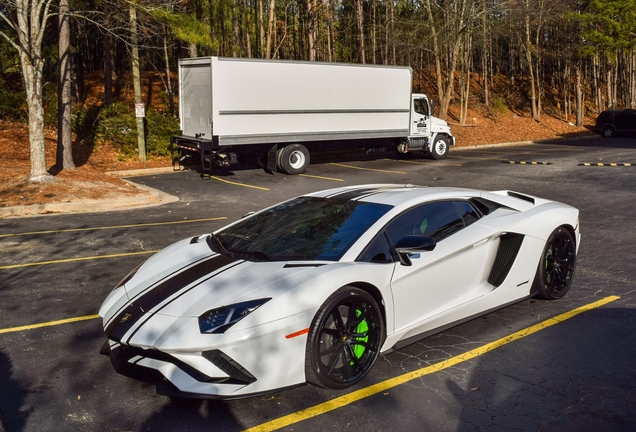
(305, 228)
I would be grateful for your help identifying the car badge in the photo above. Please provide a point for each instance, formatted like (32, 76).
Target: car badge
(125, 318)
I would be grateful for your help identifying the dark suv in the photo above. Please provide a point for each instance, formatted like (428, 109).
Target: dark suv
(612, 122)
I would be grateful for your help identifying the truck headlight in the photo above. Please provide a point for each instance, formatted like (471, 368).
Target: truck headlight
(220, 319)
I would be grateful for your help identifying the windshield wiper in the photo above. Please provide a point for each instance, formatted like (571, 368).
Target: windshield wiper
(219, 245)
(264, 256)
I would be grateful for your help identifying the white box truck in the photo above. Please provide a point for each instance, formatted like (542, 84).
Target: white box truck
(281, 111)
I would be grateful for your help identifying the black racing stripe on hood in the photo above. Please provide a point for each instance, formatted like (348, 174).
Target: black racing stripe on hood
(358, 193)
(119, 312)
(150, 315)
(171, 286)
(128, 317)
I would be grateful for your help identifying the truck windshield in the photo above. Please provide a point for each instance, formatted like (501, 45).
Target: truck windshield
(305, 228)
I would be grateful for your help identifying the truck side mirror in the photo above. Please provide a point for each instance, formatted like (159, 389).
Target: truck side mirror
(432, 107)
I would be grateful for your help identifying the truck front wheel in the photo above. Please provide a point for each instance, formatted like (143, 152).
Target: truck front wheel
(293, 159)
(439, 149)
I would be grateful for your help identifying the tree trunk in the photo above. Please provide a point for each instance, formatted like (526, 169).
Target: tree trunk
(31, 21)
(374, 46)
(311, 29)
(270, 28)
(141, 137)
(360, 18)
(528, 49)
(261, 30)
(33, 85)
(108, 69)
(579, 97)
(168, 80)
(246, 27)
(484, 55)
(64, 156)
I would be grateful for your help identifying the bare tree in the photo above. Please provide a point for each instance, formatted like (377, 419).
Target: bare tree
(28, 19)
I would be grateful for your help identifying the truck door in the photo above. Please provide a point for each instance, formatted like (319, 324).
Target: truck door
(420, 117)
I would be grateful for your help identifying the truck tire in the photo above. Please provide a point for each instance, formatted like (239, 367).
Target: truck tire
(293, 159)
(440, 146)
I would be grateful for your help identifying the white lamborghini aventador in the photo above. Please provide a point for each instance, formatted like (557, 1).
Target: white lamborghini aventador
(314, 288)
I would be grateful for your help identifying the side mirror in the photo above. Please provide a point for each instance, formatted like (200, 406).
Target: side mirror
(413, 244)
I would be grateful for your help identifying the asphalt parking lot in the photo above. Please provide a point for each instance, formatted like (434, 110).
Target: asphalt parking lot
(537, 365)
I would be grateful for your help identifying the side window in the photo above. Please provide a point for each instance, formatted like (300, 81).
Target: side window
(437, 220)
(420, 106)
(467, 212)
(378, 251)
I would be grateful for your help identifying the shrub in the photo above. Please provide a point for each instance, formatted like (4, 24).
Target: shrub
(116, 123)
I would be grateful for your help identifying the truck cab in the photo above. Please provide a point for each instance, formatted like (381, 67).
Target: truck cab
(426, 132)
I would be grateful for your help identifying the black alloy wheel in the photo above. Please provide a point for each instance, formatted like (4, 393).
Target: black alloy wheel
(608, 132)
(344, 339)
(556, 268)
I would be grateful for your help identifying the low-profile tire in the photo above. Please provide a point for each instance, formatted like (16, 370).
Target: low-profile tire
(293, 159)
(440, 147)
(609, 132)
(344, 339)
(557, 265)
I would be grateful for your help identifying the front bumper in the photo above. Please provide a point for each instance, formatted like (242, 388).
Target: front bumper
(244, 363)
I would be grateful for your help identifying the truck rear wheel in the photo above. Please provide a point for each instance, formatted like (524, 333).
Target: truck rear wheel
(439, 149)
(293, 159)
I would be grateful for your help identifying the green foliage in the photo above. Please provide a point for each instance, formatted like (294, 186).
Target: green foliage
(607, 25)
(12, 105)
(499, 106)
(185, 27)
(116, 123)
(160, 127)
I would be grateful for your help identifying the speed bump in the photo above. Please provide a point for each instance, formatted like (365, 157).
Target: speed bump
(528, 163)
(606, 164)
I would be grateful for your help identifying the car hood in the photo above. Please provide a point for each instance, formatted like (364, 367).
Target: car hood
(188, 278)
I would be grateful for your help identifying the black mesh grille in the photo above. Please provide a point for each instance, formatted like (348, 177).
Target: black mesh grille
(509, 245)
(229, 366)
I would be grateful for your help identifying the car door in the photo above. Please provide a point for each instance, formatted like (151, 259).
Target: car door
(631, 123)
(445, 277)
(420, 118)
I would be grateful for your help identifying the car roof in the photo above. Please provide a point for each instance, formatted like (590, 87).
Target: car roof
(395, 194)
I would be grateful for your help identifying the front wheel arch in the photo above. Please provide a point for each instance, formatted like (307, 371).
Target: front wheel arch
(440, 146)
(344, 340)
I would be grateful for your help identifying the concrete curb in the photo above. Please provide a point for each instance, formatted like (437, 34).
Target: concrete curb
(519, 143)
(153, 197)
(142, 172)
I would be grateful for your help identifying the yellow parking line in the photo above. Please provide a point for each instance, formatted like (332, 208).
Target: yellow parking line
(357, 395)
(366, 169)
(476, 158)
(428, 163)
(238, 184)
(321, 178)
(113, 227)
(68, 260)
(48, 324)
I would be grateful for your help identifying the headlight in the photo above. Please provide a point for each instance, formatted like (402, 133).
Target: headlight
(220, 319)
(128, 276)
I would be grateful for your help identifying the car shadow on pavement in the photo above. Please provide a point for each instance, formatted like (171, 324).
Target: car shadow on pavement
(200, 415)
(12, 397)
(577, 376)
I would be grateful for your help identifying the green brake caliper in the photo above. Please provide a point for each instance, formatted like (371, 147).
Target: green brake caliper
(363, 327)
